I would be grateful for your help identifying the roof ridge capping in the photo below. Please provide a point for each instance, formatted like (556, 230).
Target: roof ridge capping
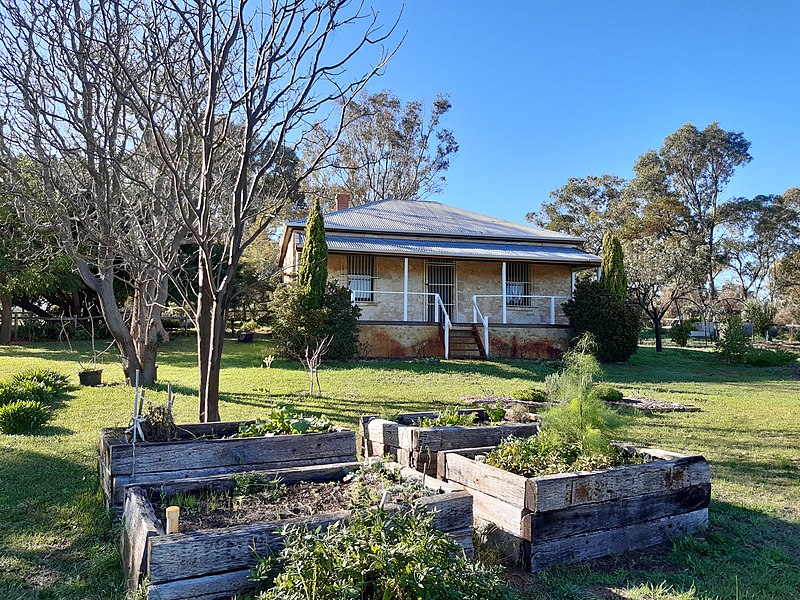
(428, 217)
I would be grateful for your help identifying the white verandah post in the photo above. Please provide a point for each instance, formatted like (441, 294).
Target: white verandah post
(405, 289)
(504, 291)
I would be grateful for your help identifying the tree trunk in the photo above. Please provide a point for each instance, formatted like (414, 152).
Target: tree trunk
(210, 339)
(657, 329)
(6, 309)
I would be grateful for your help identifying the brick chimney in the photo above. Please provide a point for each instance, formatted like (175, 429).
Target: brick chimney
(342, 201)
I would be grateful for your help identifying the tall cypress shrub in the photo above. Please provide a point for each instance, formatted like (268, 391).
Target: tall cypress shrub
(613, 267)
(312, 270)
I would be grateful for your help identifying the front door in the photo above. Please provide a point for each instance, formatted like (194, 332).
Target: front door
(441, 280)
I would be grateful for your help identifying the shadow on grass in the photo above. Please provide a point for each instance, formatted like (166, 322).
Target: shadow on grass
(53, 526)
(743, 554)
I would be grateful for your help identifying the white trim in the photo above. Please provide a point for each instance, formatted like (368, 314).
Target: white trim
(405, 289)
(503, 284)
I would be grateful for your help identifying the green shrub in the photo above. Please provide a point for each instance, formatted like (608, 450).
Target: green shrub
(33, 391)
(55, 381)
(615, 325)
(376, 555)
(679, 332)
(295, 327)
(530, 395)
(23, 416)
(606, 393)
(733, 343)
(759, 357)
(548, 453)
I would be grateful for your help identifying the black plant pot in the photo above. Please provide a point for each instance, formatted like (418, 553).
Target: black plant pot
(91, 378)
(246, 337)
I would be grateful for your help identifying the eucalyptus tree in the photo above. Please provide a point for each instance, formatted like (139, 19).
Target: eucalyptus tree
(588, 207)
(683, 183)
(387, 149)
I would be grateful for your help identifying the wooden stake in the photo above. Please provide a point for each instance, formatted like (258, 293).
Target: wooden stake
(173, 518)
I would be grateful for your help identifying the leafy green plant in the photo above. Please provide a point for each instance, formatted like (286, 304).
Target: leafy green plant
(449, 417)
(377, 555)
(733, 342)
(51, 379)
(531, 395)
(606, 393)
(284, 419)
(186, 501)
(548, 453)
(679, 332)
(23, 416)
(495, 413)
(249, 326)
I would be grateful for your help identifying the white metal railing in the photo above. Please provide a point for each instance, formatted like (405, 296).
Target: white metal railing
(479, 317)
(440, 313)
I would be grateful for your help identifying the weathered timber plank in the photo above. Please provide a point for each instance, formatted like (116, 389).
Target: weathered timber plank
(210, 453)
(441, 458)
(463, 537)
(503, 515)
(494, 482)
(183, 480)
(615, 541)
(553, 492)
(380, 450)
(212, 587)
(583, 518)
(113, 438)
(430, 482)
(451, 511)
(510, 546)
(197, 553)
(141, 525)
(288, 475)
(449, 438)
(424, 463)
(382, 432)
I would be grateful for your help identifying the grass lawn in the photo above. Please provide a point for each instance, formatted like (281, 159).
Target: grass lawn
(56, 541)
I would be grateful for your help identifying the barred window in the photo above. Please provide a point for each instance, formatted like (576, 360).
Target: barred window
(360, 275)
(519, 284)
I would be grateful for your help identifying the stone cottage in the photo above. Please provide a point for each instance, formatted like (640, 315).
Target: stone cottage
(436, 280)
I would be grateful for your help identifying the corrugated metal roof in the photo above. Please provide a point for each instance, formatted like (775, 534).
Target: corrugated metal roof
(457, 249)
(430, 218)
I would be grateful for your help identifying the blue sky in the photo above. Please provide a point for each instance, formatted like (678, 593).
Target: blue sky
(543, 91)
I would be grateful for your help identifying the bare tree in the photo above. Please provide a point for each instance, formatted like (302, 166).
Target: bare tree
(80, 162)
(312, 361)
(231, 88)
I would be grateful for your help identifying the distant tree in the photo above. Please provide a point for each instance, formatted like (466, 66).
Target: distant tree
(758, 233)
(660, 273)
(312, 270)
(613, 267)
(683, 183)
(588, 207)
(388, 149)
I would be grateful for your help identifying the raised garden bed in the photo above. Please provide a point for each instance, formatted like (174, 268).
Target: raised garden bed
(571, 517)
(205, 449)
(211, 563)
(418, 447)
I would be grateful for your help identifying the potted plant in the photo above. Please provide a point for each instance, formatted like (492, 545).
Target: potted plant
(246, 332)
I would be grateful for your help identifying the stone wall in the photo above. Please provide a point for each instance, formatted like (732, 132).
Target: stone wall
(405, 339)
